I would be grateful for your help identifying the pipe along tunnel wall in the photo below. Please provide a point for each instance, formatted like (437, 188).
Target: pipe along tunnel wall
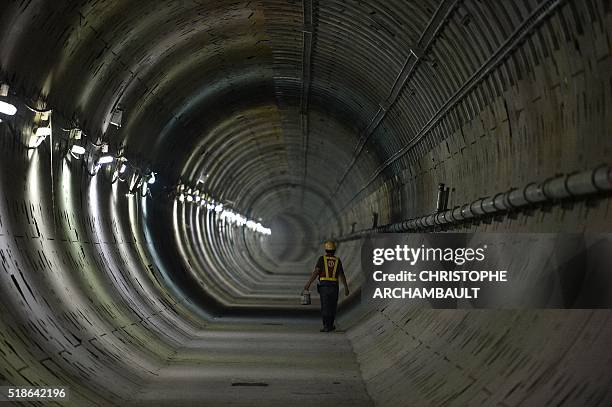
(323, 134)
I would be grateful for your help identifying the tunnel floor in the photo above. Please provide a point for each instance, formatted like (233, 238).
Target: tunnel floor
(260, 364)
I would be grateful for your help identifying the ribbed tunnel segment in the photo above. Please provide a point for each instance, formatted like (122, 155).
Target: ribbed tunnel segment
(316, 119)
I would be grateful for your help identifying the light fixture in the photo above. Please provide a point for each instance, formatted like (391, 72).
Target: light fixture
(122, 168)
(43, 132)
(225, 215)
(77, 150)
(40, 135)
(117, 117)
(263, 230)
(105, 159)
(7, 108)
(76, 134)
(152, 178)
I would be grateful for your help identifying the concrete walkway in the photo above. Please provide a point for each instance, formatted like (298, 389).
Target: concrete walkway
(266, 364)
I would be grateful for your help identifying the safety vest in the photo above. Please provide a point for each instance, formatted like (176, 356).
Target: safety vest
(330, 264)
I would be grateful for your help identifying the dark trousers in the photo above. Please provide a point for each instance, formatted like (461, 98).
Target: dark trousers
(329, 302)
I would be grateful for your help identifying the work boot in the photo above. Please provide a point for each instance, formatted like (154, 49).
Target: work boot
(323, 330)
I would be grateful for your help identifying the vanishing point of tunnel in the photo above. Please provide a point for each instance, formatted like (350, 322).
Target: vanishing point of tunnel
(170, 170)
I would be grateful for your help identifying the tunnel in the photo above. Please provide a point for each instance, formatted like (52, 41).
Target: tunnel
(169, 171)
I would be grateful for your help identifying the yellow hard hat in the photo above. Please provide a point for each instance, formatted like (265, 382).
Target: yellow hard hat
(330, 246)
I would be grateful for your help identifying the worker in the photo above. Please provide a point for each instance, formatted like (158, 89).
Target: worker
(328, 270)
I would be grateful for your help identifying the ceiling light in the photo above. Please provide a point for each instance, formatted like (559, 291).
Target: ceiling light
(77, 150)
(117, 117)
(7, 108)
(263, 230)
(43, 132)
(106, 159)
(76, 134)
(40, 135)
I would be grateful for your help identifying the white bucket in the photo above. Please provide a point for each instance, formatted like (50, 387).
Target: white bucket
(306, 297)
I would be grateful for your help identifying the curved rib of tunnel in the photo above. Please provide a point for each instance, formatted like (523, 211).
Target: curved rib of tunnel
(316, 119)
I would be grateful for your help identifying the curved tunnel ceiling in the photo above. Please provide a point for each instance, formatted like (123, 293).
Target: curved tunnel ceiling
(315, 118)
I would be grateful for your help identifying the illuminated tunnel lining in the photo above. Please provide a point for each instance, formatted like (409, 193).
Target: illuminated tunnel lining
(101, 290)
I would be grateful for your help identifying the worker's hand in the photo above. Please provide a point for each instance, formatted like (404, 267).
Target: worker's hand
(346, 291)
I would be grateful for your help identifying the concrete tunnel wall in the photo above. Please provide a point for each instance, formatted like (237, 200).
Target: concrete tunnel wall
(502, 94)
(548, 116)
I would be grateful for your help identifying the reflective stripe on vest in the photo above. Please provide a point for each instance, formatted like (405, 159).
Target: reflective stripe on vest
(333, 274)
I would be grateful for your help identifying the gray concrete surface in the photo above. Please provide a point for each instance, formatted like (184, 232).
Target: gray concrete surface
(265, 364)
(533, 358)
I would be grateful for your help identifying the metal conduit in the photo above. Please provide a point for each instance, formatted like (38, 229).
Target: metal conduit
(573, 185)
